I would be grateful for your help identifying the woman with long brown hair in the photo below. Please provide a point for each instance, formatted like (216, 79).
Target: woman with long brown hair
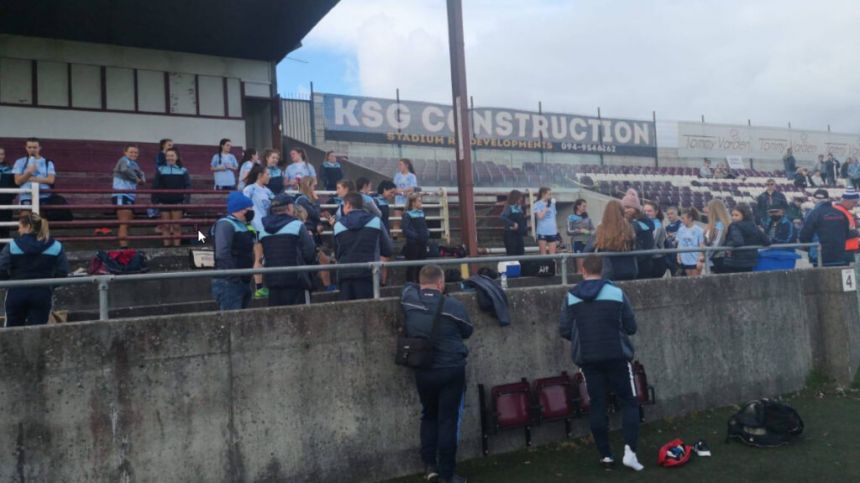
(715, 233)
(309, 201)
(516, 226)
(615, 234)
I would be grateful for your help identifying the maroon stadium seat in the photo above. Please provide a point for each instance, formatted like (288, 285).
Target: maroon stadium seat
(554, 396)
(510, 407)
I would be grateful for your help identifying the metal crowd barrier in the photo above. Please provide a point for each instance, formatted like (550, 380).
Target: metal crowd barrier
(103, 281)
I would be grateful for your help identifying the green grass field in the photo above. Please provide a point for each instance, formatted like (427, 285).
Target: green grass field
(828, 450)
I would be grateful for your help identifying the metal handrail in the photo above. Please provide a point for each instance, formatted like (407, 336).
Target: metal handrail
(104, 281)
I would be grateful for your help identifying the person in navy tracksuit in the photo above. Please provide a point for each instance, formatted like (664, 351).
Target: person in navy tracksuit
(384, 198)
(516, 226)
(171, 176)
(441, 387)
(33, 255)
(286, 243)
(597, 319)
(330, 172)
(359, 237)
(414, 226)
(233, 241)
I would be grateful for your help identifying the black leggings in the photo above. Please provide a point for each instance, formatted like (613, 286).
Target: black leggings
(658, 267)
(28, 306)
(286, 296)
(414, 250)
(514, 244)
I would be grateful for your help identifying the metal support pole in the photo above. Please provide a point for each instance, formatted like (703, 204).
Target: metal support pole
(564, 270)
(540, 112)
(375, 271)
(446, 215)
(312, 118)
(600, 133)
(399, 144)
(656, 147)
(104, 303)
(706, 270)
(462, 127)
(34, 197)
(856, 272)
(532, 213)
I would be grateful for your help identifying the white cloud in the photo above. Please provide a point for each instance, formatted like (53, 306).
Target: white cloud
(771, 61)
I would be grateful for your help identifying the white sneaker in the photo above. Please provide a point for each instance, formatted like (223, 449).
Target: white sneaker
(607, 462)
(630, 459)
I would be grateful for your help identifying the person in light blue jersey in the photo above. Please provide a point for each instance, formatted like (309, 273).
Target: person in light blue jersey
(127, 175)
(690, 235)
(249, 159)
(262, 197)
(545, 211)
(33, 168)
(299, 168)
(406, 183)
(224, 166)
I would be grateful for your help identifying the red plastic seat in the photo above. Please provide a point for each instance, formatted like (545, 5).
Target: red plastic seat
(511, 405)
(554, 396)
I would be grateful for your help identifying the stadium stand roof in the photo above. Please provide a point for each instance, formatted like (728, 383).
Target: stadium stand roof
(251, 29)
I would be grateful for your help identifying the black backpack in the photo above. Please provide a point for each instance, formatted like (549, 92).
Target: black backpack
(764, 424)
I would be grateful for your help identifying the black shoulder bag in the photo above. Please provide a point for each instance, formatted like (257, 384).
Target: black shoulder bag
(417, 352)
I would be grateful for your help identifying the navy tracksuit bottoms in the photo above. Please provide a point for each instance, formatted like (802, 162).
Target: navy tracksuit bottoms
(28, 306)
(442, 393)
(615, 376)
(356, 288)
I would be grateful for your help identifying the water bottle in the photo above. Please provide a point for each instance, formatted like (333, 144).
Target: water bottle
(504, 280)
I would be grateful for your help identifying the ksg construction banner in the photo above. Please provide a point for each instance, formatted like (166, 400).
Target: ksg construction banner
(698, 140)
(374, 120)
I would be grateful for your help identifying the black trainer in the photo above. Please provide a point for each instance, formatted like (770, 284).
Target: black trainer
(701, 448)
(430, 473)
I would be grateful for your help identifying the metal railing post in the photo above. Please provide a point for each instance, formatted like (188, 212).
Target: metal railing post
(819, 258)
(34, 198)
(706, 269)
(532, 213)
(446, 216)
(104, 302)
(375, 271)
(564, 269)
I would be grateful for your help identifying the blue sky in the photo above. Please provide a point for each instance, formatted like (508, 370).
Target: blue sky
(330, 70)
(769, 61)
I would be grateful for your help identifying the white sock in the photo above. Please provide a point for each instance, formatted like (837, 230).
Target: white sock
(630, 459)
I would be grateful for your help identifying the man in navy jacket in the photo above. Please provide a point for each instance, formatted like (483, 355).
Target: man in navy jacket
(597, 319)
(831, 225)
(359, 237)
(441, 387)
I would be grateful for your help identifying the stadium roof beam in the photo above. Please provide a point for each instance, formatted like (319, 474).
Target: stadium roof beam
(249, 29)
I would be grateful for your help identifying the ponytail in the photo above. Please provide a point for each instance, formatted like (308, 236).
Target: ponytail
(38, 224)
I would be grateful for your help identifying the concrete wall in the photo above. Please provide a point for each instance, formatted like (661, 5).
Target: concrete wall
(114, 126)
(310, 393)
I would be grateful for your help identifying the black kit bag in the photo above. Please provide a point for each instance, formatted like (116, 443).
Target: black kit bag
(417, 352)
(765, 424)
